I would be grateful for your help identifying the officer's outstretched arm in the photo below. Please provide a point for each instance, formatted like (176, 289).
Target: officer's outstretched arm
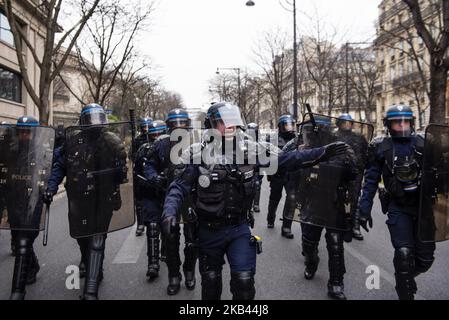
(292, 161)
(58, 170)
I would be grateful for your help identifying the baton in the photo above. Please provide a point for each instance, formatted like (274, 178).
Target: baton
(47, 221)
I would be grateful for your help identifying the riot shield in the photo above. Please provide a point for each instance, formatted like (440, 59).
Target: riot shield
(26, 155)
(99, 178)
(434, 198)
(327, 193)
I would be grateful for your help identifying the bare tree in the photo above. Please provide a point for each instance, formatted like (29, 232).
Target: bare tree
(106, 50)
(363, 75)
(273, 58)
(48, 68)
(436, 39)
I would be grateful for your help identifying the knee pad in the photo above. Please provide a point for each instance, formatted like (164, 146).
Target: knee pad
(334, 242)
(309, 247)
(242, 285)
(211, 285)
(404, 260)
(97, 242)
(23, 246)
(153, 230)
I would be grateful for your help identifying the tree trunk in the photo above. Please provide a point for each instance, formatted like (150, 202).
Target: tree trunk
(438, 87)
(43, 107)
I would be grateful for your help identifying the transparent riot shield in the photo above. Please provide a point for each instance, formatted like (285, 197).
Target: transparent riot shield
(434, 199)
(326, 193)
(99, 178)
(26, 155)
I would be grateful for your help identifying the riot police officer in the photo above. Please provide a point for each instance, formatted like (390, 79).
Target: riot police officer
(222, 199)
(307, 187)
(151, 198)
(97, 192)
(286, 132)
(255, 128)
(359, 145)
(143, 137)
(159, 171)
(27, 158)
(397, 159)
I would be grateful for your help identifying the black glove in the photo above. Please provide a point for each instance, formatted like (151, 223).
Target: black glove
(161, 182)
(47, 197)
(334, 149)
(168, 225)
(366, 221)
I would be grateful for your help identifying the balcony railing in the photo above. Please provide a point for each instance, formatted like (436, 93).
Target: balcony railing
(385, 36)
(406, 79)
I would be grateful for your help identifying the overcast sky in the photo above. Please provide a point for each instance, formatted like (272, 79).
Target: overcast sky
(189, 39)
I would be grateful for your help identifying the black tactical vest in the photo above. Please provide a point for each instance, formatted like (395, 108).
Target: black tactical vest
(228, 196)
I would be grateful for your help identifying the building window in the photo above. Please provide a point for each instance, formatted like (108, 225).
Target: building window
(5, 30)
(10, 85)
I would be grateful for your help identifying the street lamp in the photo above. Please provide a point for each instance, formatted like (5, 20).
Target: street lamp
(238, 80)
(251, 3)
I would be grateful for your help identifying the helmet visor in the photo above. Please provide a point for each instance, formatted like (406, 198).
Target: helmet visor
(400, 126)
(179, 123)
(229, 116)
(93, 116)
(287, 126)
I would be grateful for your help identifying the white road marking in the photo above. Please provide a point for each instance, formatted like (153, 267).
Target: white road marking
(131, 248)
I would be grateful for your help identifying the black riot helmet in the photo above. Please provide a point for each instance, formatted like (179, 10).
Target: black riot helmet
(93, 114)
(319, 135)
(177, 118)
(157, 128)
(23, 127)
(144, 124)
(345, 122)
(286, 124)
(396, 119)
(224, 114)
(26, 122)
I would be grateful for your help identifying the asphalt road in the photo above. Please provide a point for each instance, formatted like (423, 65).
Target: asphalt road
(279, 268)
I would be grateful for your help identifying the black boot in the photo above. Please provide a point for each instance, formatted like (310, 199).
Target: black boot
(33, 268)
(174, 284)
(153, 232)
(337, 269)
(404, 265)
(311, 259)
(271, 216)
(286, 230)
(140, 230)
(94, 272)
(190, 254)
(356, 234)
(21, 266)
(173, 262)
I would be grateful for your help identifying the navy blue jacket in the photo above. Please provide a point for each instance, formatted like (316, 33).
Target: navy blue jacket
(58, 171)
(183, 184)
(377, 169)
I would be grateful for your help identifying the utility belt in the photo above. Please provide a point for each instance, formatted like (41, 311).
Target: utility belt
(229, 219)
